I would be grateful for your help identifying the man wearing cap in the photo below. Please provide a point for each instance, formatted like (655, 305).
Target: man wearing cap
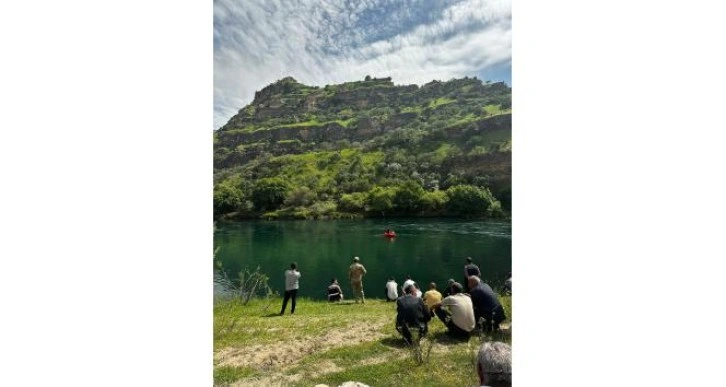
(412, 314)
(356, 273)
(456, 312)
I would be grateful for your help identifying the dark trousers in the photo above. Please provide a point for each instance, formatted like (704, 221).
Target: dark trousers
(405, 331)
(490, 323)
(453, 329)
(288, 295)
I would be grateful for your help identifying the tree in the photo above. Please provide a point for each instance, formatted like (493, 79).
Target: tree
(300, 197)
(435, 201)
(353, 202)
(227, 198)
(409, 198)
(269, 193)
(380, 199)
(469, 200)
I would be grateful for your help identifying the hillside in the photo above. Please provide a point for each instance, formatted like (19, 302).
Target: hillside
(366, 148)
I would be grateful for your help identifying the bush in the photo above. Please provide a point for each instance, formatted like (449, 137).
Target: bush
(354, 202)
(302, 196)
(227, 198)
(409, 198)
(269, 193)
(469, 200)
(435, 201)
(323, 208)
(380, 199)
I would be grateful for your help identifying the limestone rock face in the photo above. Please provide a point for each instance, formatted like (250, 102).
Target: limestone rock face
(446, 132)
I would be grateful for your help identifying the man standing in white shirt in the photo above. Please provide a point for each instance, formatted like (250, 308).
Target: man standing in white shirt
(292, 277)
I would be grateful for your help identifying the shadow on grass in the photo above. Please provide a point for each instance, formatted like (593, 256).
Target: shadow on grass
(503, 335)
(435, 337)
(445, 339)
(272, 315)
(394, 341)
(342, 303)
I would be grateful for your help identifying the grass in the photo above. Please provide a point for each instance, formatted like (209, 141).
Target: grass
(333, 343)
(323, 166)
(494, 110)
(440, 101)
(412, 109)
(227, 374)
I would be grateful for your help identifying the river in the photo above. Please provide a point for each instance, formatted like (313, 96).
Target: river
(426, 249)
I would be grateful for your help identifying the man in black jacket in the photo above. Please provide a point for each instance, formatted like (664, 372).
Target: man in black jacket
(486, 305)
(412, 313)
(470, 269)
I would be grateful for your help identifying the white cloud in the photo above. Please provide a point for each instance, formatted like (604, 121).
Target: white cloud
(322, 42)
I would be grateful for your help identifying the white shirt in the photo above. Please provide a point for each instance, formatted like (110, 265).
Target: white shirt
(462, 310)
(291, 279)
(406, 283)
(391, 290)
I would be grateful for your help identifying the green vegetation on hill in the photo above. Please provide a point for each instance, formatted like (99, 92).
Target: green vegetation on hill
(366, 148)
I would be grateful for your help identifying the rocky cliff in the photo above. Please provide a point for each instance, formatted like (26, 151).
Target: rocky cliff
(441, 133)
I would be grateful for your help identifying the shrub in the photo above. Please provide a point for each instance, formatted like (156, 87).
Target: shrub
(409, 198)
(301, 196)
(353, 202)
(435, 201)
(469, 200)
(380, 199)
(227, 198)
(269, 193)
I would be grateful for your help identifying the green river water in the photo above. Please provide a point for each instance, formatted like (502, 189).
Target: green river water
(428, 250)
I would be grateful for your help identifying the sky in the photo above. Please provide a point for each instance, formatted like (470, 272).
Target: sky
(319, 42)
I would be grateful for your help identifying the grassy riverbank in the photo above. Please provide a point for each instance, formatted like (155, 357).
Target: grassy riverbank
(334, 343)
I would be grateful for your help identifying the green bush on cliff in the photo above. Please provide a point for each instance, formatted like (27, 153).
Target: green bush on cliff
(469, 200)
(269, 193)
(227, 198)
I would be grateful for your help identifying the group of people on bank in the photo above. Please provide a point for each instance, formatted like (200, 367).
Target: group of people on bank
(335, 293)
(463, 309)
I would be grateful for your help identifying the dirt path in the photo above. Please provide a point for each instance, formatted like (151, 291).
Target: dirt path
(283, 354)
(275, 359)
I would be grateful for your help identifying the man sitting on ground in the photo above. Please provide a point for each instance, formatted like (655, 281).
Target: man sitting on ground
(494, 364)
(391, 289)
(335, 294)
(432, 297)
(486, 305)
(508, 284)
(459, 318)
(412, 313)
(405, 284)
(447, 291)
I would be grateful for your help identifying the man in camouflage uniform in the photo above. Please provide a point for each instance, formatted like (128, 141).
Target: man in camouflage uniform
(356, 273)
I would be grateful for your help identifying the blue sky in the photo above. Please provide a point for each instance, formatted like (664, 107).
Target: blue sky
(319, 42)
